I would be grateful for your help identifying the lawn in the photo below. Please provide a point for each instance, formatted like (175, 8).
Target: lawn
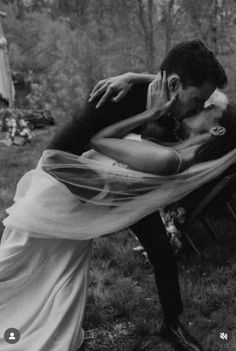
(123, 311)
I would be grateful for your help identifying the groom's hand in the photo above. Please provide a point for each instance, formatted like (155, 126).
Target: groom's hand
(114, 89)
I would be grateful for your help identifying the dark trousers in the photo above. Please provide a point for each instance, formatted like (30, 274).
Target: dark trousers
(152, 235)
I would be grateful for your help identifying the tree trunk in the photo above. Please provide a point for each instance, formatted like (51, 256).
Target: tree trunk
(19, 6)
(146, 16)
(214, 32)
(6, 67)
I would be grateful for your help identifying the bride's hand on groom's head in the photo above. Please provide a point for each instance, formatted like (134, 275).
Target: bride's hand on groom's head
(159, 91)
(114, 89)
(160, 101)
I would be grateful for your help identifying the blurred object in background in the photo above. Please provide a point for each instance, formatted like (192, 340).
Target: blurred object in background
(38, 118)
(22, 86)
(25, 132)
(33, 118)
(7, 91)
(12, 129)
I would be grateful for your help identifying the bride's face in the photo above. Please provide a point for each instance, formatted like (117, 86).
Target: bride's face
(205, 120)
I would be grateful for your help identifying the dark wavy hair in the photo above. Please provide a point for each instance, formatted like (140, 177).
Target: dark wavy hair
(220, 145)
(195, 64)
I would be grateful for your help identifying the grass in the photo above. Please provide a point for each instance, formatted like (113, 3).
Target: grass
(123, 311)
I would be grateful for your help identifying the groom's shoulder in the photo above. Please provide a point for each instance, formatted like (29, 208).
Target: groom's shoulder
(136, 95)
(132, 103)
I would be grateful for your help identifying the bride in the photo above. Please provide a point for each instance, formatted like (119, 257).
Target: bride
(68, 200)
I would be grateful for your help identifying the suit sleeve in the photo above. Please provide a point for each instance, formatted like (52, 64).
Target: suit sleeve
(74, 137)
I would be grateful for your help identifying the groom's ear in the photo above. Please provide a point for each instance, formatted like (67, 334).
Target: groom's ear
(174, 83)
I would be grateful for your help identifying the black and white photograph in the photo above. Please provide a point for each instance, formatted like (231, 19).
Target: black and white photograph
(117, 175)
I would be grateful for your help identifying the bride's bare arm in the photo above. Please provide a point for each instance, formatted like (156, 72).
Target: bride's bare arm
(155, 159)
(145, 157)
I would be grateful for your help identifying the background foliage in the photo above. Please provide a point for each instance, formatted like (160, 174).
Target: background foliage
(63, 47)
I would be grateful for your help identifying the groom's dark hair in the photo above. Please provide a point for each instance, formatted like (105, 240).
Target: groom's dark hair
(195, 64)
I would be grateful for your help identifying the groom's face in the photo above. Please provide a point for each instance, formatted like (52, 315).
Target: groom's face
(191, 99)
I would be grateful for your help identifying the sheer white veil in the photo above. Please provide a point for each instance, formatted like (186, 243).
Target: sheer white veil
(108, 198)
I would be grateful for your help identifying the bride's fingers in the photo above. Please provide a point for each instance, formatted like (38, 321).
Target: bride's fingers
(164, 85)
(98, 86)
(172, 100)
(157, 78)
(106, 96)
(152, 87)
(168, 106)
(159, 84)
(174, 97)
(102, 89)
(119, 96)
(156, 84)
(156, 81)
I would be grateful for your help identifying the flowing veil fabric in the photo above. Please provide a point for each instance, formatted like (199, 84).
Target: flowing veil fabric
(103, 197)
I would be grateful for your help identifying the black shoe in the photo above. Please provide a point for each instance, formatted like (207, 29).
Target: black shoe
(180, 338)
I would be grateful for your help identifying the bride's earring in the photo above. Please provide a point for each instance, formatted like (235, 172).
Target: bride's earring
(217, 131)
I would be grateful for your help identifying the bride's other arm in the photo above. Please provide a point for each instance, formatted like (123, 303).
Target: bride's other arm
(115, 88)
(145, 157)
(87, 120)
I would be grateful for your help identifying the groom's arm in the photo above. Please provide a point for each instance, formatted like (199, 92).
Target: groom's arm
(74, 137)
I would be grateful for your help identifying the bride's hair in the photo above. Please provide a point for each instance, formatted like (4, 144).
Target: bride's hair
(219, 145)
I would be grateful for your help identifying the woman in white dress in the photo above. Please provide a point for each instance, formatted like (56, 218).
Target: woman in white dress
(68, 200)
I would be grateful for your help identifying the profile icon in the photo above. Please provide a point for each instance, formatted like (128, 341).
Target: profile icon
(12, 335)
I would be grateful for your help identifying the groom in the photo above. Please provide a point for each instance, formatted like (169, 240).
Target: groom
(193, 73)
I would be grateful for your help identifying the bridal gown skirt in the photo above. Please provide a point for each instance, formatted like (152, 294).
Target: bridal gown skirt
(43, 289)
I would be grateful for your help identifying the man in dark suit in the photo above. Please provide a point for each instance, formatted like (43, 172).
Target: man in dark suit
(193, 73)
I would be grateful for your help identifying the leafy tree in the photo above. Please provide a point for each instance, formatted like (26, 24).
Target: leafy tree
(64, 47)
